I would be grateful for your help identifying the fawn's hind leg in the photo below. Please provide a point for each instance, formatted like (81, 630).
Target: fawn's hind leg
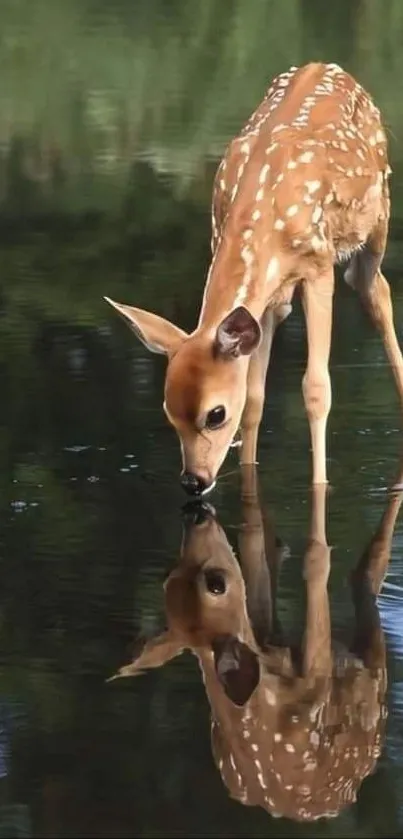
(364, 275)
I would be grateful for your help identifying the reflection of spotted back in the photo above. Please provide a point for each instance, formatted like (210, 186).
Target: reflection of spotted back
(309, 170)
(302, 751)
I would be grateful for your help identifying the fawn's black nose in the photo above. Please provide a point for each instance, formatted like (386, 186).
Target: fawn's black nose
(192, 484)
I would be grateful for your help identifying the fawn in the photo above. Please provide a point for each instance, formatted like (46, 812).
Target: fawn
(303, 187)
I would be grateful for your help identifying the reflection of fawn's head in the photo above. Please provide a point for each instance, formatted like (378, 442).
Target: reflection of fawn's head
(297, 741)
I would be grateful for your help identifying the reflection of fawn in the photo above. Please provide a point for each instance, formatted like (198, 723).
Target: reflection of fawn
(294, 738)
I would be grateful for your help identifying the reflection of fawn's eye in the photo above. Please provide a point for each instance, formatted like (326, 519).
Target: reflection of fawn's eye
(215, 417)
(215, 582)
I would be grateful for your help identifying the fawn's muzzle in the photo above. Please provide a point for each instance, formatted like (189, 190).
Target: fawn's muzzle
(192, 484)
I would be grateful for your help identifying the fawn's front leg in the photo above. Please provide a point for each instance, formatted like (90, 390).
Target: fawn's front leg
(253, 410)
(317, 303)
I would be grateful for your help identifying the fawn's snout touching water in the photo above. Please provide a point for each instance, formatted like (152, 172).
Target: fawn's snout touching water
(303, 186)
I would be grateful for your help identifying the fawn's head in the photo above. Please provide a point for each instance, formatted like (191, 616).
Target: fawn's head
(205, 385)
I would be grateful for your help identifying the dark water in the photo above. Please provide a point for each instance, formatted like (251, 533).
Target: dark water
(112, 118)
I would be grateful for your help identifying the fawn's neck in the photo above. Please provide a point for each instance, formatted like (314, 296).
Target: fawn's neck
(243, 272)
(249, 263)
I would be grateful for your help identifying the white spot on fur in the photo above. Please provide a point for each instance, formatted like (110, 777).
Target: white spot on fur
(247, 257)
(271, 274)
(256, 215)
(278, 127)
(306, 157)
(279, 224)
(292, 211)
(272, 271)
(317, 214)
(264, 172)
(317, 243)
(261, 781)
(314, 738)
(312, 186)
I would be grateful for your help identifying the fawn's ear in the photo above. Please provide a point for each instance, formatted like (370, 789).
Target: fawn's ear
(157, 334)
(238, 334)
(237, 668)
(153, 653)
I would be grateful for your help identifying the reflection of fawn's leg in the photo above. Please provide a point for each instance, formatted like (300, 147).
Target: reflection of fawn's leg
(317, 653)
(367, 579)
(259, 556)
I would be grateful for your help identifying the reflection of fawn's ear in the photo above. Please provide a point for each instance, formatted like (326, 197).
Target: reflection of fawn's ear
(237, 668)
(155, 653)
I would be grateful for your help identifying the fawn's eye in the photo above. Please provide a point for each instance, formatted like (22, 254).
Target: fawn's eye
(215, 582)
(215, 417)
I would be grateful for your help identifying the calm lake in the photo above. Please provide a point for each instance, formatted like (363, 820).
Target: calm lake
(113, 116)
